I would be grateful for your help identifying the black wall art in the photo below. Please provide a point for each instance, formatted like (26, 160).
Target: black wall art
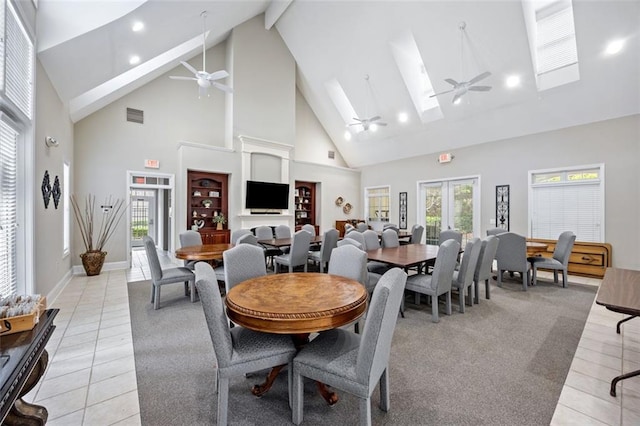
(403, 210)
(502, 207)
(46, 189)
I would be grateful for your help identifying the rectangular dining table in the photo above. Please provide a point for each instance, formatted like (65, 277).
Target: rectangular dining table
(286, 242)
(404, 256)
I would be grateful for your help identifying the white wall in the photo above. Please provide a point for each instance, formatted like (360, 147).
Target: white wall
(616, 143)
(52, 119)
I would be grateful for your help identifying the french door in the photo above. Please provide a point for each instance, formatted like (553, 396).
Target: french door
(449, 204)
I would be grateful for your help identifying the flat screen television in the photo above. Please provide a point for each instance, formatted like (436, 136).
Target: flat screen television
(267, 195)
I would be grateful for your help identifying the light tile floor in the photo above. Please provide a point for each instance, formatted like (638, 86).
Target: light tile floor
(91, 377)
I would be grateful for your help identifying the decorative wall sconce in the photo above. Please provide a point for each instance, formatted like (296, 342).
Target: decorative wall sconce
(51, 142)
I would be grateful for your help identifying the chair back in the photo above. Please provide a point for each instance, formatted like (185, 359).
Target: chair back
(512, 252)
(264, 232)
(358, 236)
(485, 259)
(241, 263)
(496, 231)
(350, 262)
(362, 226)
(390, 226)
(247, 239)
(235, 235)
(564, 246)
(390, 238)
(371, 239)
(152, 257)
(310, 229)
(375, 343)
(442, 274)
(283, 231)
(214, 313)
(329, 243)
(299, 248)
(190, 238)
(348, 227)
(350, 242)
(416, 234)
(450, 234)
(469, 262)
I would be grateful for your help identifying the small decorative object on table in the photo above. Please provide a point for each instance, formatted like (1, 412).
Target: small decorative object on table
(207, 203)
(197, 193)
(20, 313)
(219, 220)
(112, 212)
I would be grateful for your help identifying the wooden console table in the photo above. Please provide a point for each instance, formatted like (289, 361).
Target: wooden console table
(23, 360)
(620, 292)
(588, 259)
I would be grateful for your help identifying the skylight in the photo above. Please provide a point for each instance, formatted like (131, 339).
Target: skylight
(341, 101)
(552, 39)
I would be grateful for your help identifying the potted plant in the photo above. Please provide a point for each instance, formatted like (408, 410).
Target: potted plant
(94, 239)
(219, 220)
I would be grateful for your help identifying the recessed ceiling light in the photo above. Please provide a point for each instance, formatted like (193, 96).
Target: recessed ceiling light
(614, 47)
(403, 117)
(513, 81)
(457, 102)
(373, 127)
(347, 135)
(135, 59)
(137, 26)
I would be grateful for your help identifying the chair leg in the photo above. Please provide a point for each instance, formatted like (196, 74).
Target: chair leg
(448, 302)
(385, 401)
(156, 302)
(534, 277)
(365, 411)
(499, 277)
(461, 299)
(192, 290)
(434, 309)
(555, 275)
(322, 267)
(223, 400)
(298, 399)
(525, 280)
(476, 289)
(486, 289)
(416, 297)
(470, 295)
(564, 278)
(290, 383)
(153, 292)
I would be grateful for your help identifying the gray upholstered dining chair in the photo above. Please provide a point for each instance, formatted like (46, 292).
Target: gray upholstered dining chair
(512, 256)
(248, 239)
(190, 238)
(484, 265)
(348, 227)
(439, 282)
(372, 242)
(283, 231)
(558, 262)
(309, 228)
(350, 242)
(358, 236)
(495, 231)
(235, 235)
(241, 263)
(329, 242)
(238, 350)
(390, 238)
(160, 277)
(362, 226)
(463, 278)
(350, 362)
(416, 234)
(298, 253)
(391, 226)
(265, 232)
(450, 234)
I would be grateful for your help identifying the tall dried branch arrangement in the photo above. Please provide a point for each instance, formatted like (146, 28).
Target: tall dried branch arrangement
(86, 221)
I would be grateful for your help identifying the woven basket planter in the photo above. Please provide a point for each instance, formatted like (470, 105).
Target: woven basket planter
(92, 262)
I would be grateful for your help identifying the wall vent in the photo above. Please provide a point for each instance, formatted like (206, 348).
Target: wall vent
(332, 154)
(135, 115)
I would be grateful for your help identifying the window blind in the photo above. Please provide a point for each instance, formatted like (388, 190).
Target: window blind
(556, 41)
(18, 63)
(567, 207)
(8, 208)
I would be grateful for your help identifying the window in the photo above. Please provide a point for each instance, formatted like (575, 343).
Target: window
(556, 41)
(18, 63)
(568, 199)
(66, 203)
(377, 203)
(8, 206)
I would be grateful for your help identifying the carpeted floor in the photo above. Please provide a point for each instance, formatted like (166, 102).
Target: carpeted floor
(503, 362)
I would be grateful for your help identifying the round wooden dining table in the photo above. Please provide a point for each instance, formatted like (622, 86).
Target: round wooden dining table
(204, 252)
(297, 304)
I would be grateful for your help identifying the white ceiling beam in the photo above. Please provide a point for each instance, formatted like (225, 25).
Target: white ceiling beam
(274, 12)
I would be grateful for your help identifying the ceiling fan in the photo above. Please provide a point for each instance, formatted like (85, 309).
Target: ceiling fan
(369, 122)
(203, 78)
(462, 87)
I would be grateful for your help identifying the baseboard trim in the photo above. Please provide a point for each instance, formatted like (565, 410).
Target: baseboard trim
(55, 291)
(109, 266)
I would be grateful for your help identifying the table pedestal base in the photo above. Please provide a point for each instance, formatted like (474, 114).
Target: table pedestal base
(23, 413)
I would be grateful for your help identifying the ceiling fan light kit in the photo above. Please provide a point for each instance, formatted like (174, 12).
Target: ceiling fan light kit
(204, 79)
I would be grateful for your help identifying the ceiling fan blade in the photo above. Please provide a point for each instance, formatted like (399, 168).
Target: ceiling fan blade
(189, 67)
(480, 88)
(377, 117)
(451, 81)
(358, 119)
(479, 77)
(218, 75)
(380, 124)
(441, 93)
(176, 77)
(222, 87)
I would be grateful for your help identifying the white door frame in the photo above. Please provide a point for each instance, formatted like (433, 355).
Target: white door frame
(147, 185)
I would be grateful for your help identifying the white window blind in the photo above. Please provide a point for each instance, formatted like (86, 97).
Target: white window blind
(8, 208)
(567, 207)
(556, 39)
(18, 81)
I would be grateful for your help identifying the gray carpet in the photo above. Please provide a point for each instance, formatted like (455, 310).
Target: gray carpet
(503, 362)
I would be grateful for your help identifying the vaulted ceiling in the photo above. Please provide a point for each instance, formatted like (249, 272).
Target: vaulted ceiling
(85, 47)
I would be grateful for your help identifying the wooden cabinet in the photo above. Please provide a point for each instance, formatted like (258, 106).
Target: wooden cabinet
(305, 204)
(588, 259)
(340, 224)
(207, 199)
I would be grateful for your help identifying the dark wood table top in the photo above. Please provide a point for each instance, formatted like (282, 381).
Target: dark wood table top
(285, 242)
(620, 291)
(296, 303)
(404, 256)
(203, 252)
(401, 234)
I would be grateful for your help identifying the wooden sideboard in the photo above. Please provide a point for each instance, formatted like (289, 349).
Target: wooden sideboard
(340, 224)
(587, 259)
